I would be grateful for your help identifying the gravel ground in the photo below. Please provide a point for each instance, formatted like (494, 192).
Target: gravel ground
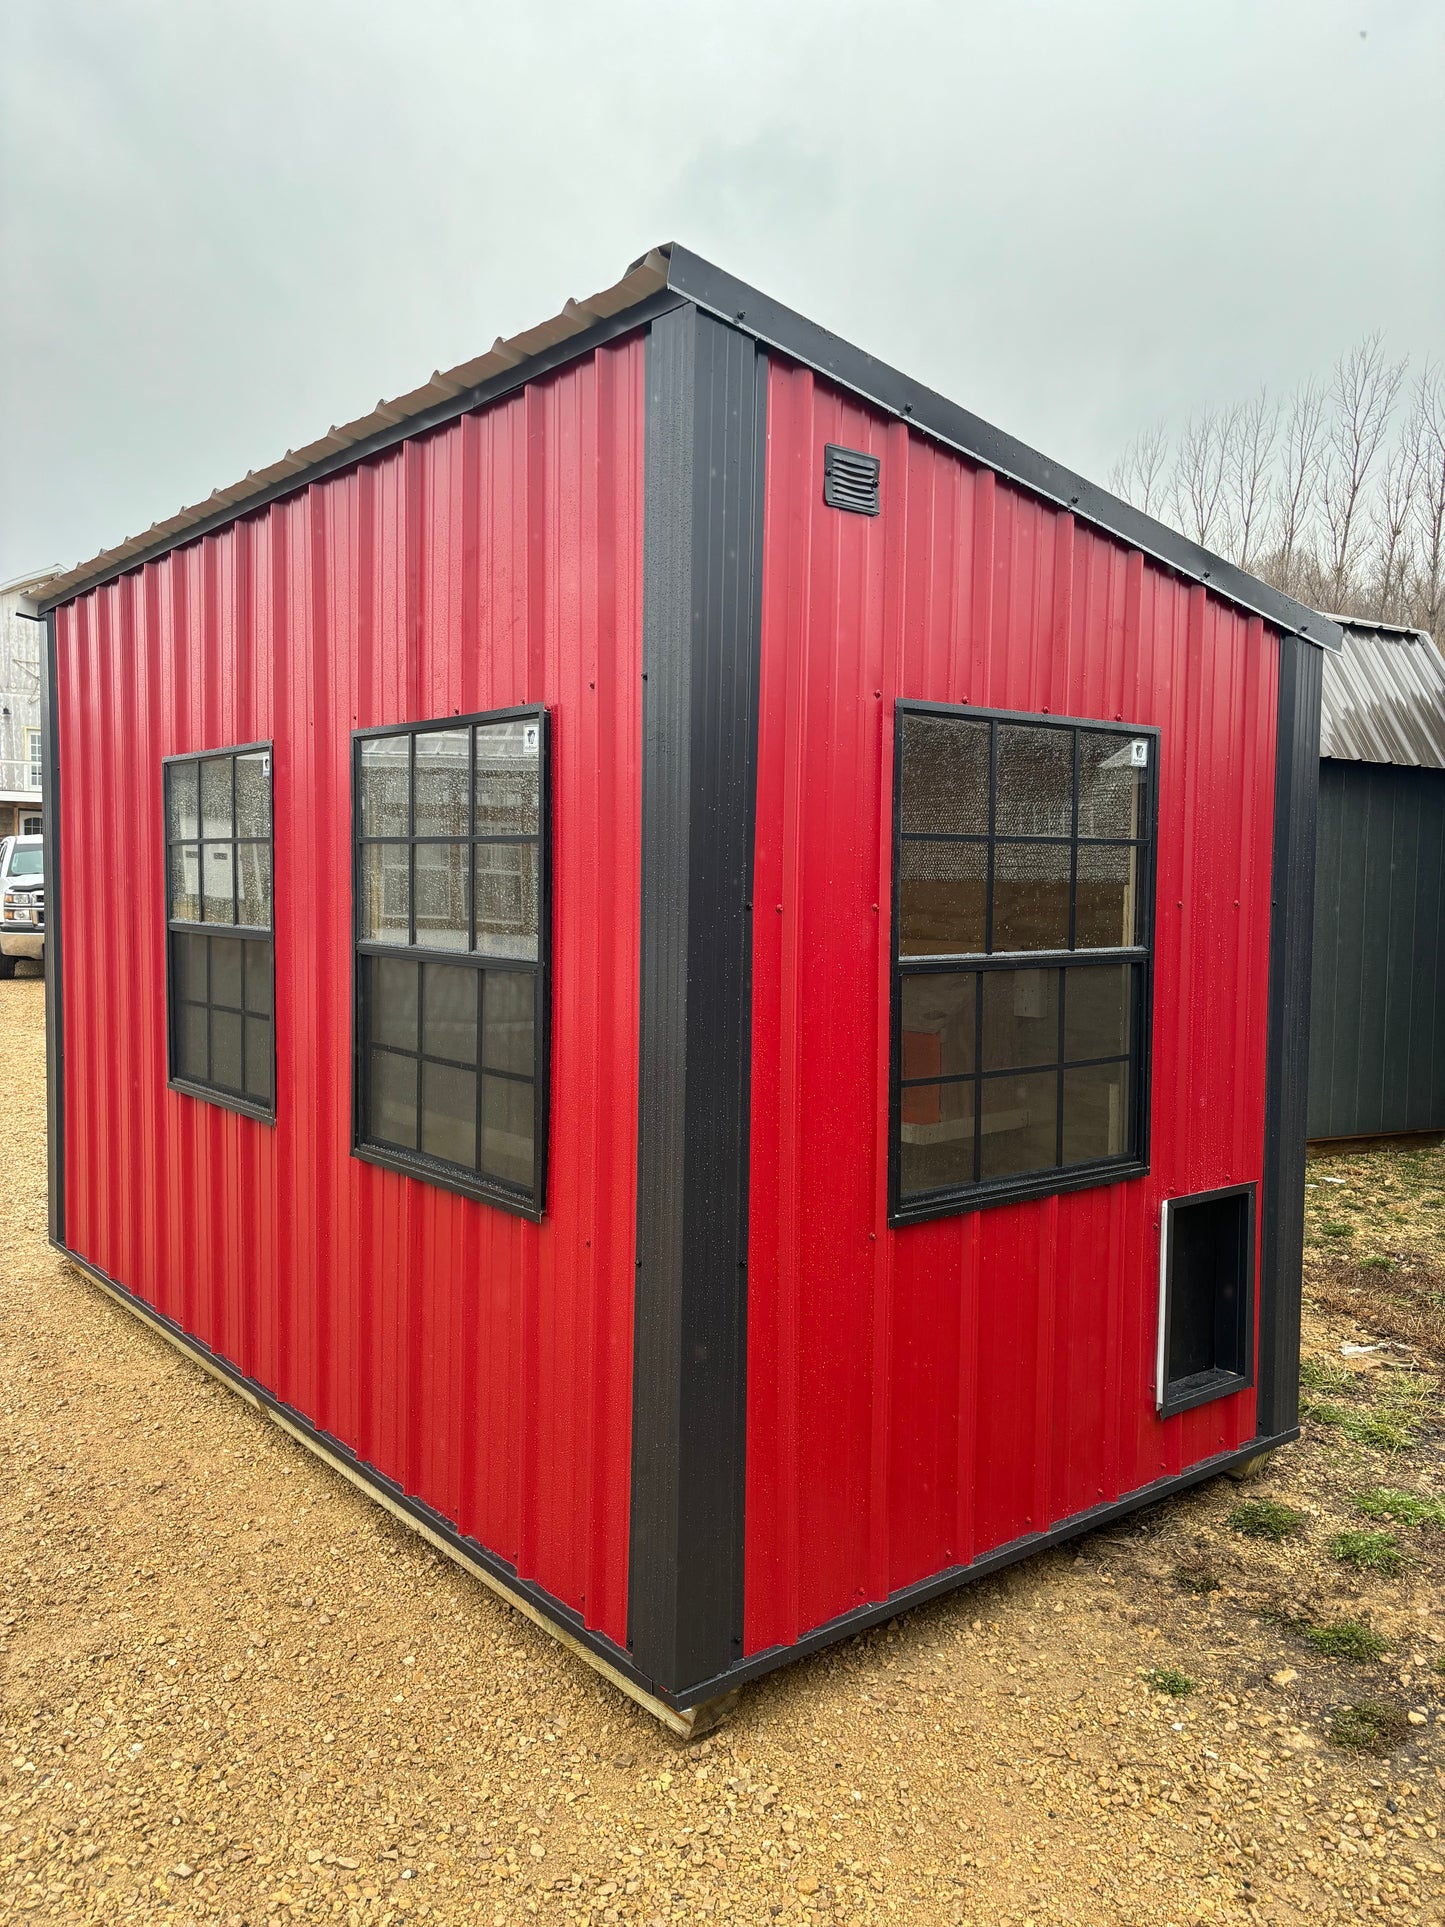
(235, 1691)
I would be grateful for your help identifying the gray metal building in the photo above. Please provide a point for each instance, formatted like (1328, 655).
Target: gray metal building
(1377, 1047)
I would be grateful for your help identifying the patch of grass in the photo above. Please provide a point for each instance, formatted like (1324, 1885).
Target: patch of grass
(1404, 1508)
(1346, 1639)
(1168, 1679)
(1195, 1579)
(1316, 1376)
(1368, 1551)
(1368, 1726)
(1392, 1426)
(1334, 1229)
(1267, 1519)
(1377, 1264)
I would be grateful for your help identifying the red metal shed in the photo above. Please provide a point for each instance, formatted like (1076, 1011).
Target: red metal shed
(695, 966)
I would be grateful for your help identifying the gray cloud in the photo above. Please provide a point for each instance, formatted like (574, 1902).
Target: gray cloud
(226, 225)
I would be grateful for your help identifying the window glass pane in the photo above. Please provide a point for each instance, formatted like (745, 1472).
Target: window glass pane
(1096, 1113)
(1105, 900)
(449, 1027)
(1096, 1011)
(1111, 784)
(945, 775)
(1031, 896)
(185, 881)
(258, 978)
(442, 774)
(384, 911)
(385, 777)
(391, 1111)
(508, 1008)
(1020, 1019)
(441, 895)
(935, 1136)
(1019, 1124)
(258, 1059)
(226, 1050)
(507, 899)
(449, 1114)
(253, 794)
(938, 1025)
(216, 881)
(392, 984)
(508, 777)
(226, 971)
(253, 884)
(182, 801)
(188, 966)
(191, 1042)
(1035, 781)
(507, 1125)
(941, 895)
(216, 796)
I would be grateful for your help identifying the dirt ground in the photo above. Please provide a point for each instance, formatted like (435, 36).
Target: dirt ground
(236, 1691)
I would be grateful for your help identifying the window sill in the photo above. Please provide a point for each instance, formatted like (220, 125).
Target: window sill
(1185, 1393)
(226, 1100)
(982, 1197)
(447, 1177)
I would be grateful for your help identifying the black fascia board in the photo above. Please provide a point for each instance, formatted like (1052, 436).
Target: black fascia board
(801, 340)
(625, 321)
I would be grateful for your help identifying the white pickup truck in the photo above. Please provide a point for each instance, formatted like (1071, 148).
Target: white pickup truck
(22, 901)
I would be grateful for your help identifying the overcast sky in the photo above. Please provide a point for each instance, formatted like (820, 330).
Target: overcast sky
(229, 223)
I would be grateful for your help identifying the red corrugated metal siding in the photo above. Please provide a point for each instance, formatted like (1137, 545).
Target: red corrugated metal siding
(481, 1361)
(918, 1397)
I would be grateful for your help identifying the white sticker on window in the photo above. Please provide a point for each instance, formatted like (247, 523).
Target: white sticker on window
(530, 737)
(1139, 752)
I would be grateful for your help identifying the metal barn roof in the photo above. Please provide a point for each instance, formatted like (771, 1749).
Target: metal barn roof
(1384, 697)
(665, 277)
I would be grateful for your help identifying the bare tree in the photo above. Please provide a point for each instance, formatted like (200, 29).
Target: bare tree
(1196, 486)
(1427, 429)
(1363, 393)
(1248, 459)
(1297, 481)
(1139, 473)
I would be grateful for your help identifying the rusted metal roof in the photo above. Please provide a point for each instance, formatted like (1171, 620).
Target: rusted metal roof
(1384, 697)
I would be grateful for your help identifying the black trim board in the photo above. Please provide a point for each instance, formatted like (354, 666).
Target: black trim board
(54, 975)
(933, 414)
(596, 1646)
(1286, 1077)
(702, 591)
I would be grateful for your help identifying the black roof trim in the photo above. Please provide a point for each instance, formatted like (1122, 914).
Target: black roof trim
(852, 368)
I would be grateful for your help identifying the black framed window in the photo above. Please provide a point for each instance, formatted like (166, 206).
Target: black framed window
(451, 933)
(220, 953)
(1206, 1297)
(1022, 918)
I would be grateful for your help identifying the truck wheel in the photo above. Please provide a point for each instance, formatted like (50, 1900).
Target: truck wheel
(7, 968)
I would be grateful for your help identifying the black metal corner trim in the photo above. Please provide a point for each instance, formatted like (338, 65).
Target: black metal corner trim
(54, 975)
(702, 591)
(954, 1578)
(944, 421)
(1286, 1094)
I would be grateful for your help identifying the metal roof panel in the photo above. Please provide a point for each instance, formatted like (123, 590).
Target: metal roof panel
(1384, 697)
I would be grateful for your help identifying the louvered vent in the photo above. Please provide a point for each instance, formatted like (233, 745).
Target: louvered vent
(850, 480)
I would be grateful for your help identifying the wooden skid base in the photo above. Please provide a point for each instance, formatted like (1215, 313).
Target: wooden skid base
(689, 1725)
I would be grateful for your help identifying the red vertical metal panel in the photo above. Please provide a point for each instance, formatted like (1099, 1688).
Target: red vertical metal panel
(481, 1361)
(917, 1397)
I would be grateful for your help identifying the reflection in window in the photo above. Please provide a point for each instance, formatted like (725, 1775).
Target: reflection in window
(220, 952)
(1022, 954)
(451, 857)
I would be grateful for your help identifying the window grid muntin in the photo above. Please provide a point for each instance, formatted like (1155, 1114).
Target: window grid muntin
(208, 929)
(1138, 956)
(471, 1180)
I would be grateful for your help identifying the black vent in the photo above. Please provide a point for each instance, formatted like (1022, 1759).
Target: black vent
(850, 480)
